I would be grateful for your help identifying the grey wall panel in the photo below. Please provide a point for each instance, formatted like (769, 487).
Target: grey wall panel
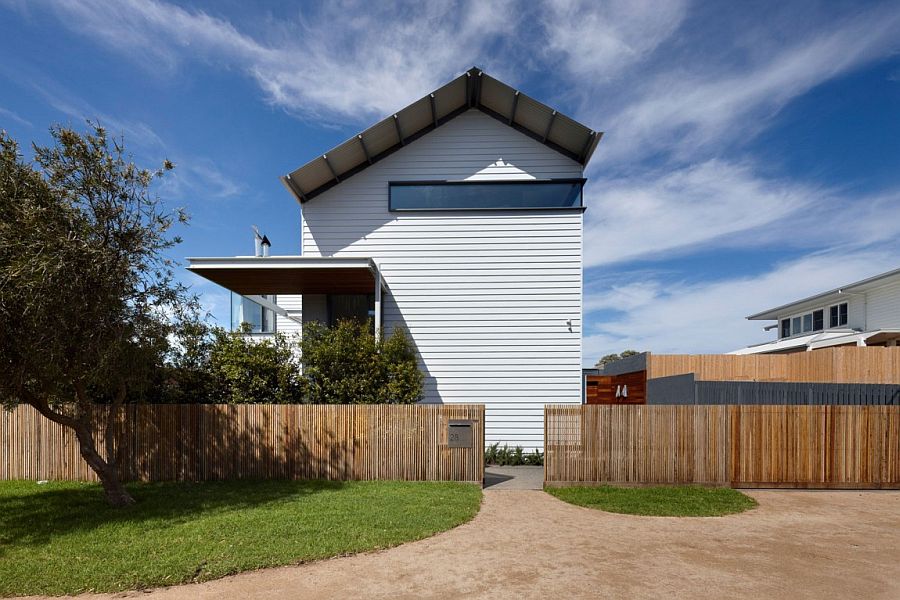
(764, 392)
(638, 362)
(677, 389)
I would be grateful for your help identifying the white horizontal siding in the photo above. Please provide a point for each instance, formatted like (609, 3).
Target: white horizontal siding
(485, 295)
(883, 307)
(293, 303)
(856, 312)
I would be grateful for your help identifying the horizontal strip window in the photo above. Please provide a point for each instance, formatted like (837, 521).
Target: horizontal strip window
(483, 195)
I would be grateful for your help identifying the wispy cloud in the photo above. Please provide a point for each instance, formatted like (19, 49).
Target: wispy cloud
(199, 177)
(193, 177)
(601, 40)
(651, 213)
(140, 136)
(345, 59)
(661, 215)
(8, 114)
(682, 110)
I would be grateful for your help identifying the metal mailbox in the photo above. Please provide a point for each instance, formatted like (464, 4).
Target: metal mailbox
(459, 434)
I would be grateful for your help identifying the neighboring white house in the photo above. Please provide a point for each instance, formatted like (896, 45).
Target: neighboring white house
(459, 219)
(865, 313)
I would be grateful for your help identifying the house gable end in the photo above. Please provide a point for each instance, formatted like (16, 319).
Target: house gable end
(472, 90)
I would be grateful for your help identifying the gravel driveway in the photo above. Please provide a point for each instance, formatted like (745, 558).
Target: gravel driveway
(527, 544)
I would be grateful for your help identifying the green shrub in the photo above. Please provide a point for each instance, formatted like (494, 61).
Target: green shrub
(243, 370)
(511, 457)
(341, 365)
(345, 364)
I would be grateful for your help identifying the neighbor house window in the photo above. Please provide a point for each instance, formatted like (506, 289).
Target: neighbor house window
(475, 195)
(838, 314)
(811, 321)
(246, 311)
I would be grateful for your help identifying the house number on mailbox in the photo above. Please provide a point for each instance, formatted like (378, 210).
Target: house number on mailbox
(459, 434)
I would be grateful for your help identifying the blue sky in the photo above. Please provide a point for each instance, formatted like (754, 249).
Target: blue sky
(751, 156)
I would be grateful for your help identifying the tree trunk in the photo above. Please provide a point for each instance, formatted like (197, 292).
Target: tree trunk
(106, 470)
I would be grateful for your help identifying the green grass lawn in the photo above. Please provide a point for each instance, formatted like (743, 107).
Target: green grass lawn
(61, 538)
(675, 501)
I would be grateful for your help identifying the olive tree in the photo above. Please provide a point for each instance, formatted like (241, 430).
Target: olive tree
(87, 295)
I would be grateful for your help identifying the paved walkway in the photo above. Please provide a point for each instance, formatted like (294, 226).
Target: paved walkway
(527, 544)
(513, 478)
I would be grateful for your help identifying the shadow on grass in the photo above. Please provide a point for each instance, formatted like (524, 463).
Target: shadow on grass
(242, 462)
(32, 514)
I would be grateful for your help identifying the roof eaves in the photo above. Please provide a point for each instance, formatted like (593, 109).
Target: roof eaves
(844, 289)
(460, 100)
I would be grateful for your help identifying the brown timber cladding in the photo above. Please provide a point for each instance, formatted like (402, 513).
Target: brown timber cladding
(601, 389)
(740, 446)
(199, 442)
(829, 365)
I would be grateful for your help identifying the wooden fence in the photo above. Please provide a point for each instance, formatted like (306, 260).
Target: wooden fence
(197, 442)
(740, 446)
(870, 364)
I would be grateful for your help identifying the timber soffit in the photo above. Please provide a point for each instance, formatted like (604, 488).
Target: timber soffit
(473, 89)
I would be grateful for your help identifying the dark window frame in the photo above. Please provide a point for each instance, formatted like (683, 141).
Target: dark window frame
(785, 328)
(567, 180)
(839, 314)
(818, 317)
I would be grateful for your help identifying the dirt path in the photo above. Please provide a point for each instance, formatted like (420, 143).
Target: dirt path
(527, 544)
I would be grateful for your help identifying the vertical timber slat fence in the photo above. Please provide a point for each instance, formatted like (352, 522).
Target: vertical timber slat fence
(199, 442)
(741, 446)
(870, 364)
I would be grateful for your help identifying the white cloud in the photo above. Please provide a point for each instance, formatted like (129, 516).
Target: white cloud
(348, 59)
(709, 317)
(648, 214)
(682, 111)
(720, 204)
(604, 39)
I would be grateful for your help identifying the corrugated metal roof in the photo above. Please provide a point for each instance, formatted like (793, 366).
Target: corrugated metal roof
(473, 89)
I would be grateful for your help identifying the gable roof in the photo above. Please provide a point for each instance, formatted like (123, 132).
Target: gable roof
(473, 89)
(858, 286)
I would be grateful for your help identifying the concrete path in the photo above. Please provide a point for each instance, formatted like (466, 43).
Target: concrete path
(513, 478)
(527, 544)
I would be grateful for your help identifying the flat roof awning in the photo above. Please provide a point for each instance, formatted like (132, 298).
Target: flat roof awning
(254, 275)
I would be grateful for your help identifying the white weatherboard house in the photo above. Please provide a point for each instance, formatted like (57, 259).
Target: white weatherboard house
(459, 219)
(865, 313)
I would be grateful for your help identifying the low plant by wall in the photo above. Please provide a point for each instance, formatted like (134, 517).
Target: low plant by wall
(511, 457)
